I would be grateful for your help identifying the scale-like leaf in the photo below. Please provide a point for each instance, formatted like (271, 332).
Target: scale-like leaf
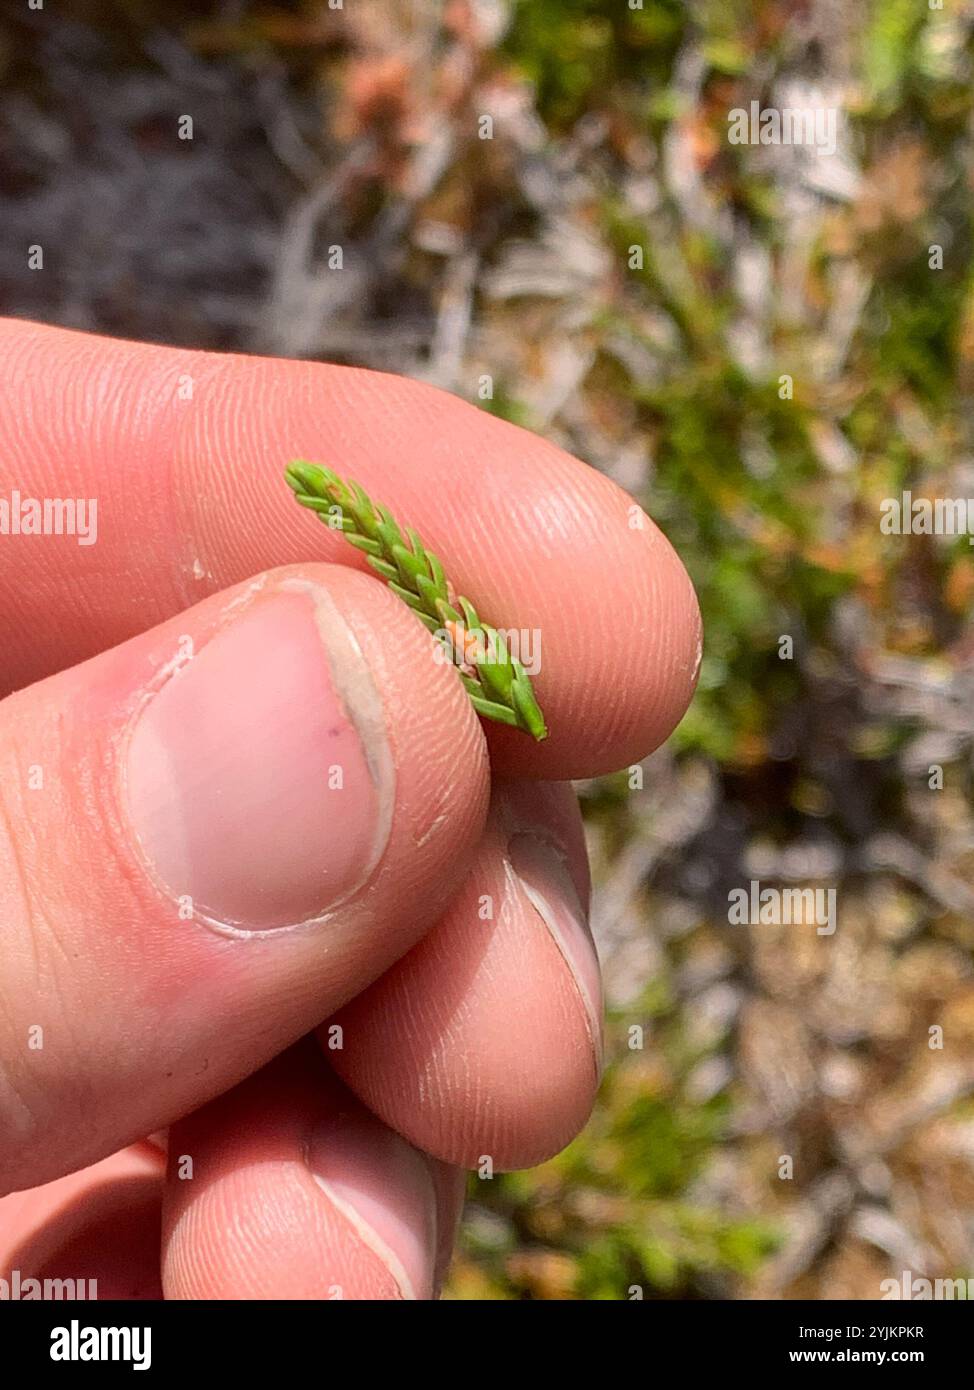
(497, 684)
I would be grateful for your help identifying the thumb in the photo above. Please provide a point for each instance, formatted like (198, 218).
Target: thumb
(211, 837)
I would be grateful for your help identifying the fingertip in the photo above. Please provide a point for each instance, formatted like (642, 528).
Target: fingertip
(287, 1188)
(268, 800)
(484, 1043)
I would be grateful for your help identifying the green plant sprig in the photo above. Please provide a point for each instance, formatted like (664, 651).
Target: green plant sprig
(498, 685)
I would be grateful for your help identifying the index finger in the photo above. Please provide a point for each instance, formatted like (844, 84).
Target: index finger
(183, 453)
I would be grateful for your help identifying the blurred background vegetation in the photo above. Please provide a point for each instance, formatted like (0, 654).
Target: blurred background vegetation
(511, 258)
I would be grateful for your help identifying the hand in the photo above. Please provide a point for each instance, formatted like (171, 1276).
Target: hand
(239, 800)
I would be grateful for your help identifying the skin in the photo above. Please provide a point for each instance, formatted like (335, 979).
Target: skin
(163, 1039)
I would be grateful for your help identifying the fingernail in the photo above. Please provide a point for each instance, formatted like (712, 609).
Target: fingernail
(259, 781)
(384, 1189)
(548, 886)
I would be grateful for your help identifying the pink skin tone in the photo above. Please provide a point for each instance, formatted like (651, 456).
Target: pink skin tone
(257, 843)
(530, 876)
(192, 759)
